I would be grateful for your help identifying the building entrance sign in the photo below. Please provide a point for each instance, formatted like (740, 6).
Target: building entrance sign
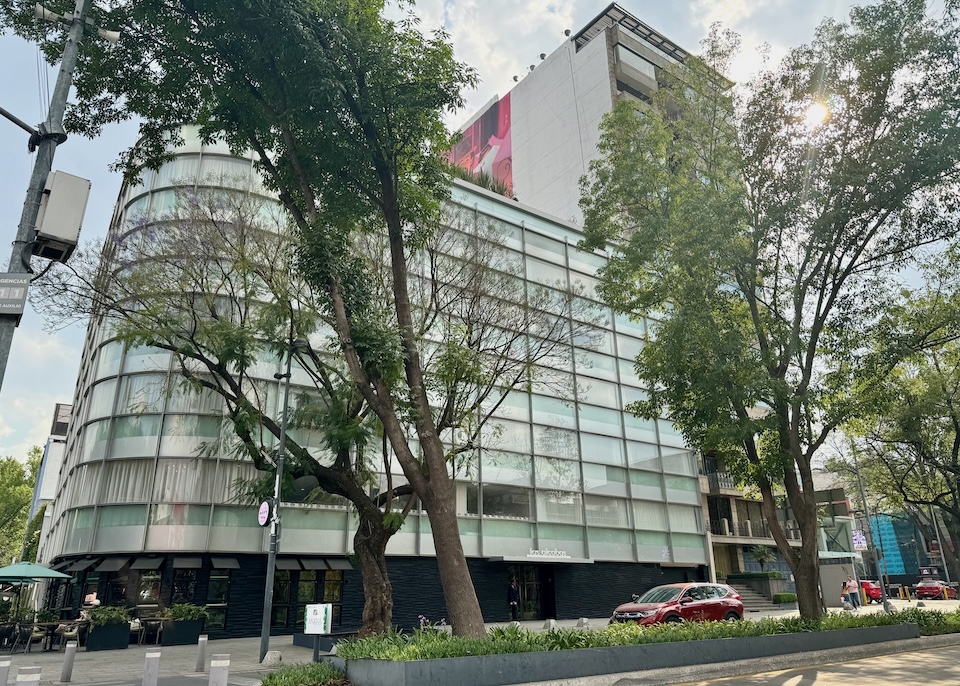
(318, 619)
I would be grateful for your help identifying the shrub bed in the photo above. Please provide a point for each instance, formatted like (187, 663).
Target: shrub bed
(781, 598)
(429, 644)
(306, 674)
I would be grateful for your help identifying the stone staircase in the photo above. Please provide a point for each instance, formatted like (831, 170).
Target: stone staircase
(753, 601)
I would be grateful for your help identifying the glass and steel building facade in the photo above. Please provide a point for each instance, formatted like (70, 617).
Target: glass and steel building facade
(582, 502)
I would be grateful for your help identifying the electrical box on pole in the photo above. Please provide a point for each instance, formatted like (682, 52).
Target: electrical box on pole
(62, 205)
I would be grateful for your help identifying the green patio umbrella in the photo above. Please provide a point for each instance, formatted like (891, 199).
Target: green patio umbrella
(21, 573)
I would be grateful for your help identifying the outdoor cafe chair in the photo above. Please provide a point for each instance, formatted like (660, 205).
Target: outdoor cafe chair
(8, 635)
(75, 631)
(27, 635)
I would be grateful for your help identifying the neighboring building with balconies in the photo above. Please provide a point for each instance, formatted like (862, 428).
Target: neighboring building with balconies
(736, 523)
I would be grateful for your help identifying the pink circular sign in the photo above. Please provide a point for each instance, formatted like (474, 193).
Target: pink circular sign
(263, 515)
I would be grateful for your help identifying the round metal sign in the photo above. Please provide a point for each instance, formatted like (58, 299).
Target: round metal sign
(263, 515)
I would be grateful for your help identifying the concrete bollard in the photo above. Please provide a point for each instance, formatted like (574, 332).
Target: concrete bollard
(28, 675)
(550, 625)
(69, 653)
(583, 623)
(219, 670)
(273, 658)
(202, 653)
(4, 670)
(151, 668)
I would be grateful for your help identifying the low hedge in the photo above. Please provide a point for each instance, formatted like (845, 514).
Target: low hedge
(428, 644)
(755, 575)
(306, 674)
(782, 598)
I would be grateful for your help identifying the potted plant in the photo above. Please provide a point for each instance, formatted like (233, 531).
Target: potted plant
(109, 627)
(182, 624)
(46, 615)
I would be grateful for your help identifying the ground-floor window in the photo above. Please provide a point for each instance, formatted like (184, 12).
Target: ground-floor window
(218, 596)
(310, 586)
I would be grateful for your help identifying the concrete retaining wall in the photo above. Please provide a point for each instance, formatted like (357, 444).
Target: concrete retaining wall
(499, 670)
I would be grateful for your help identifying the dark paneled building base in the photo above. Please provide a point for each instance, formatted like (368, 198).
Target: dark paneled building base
(231, 587)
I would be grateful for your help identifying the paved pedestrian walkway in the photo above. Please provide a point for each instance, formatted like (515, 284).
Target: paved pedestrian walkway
(178, 663)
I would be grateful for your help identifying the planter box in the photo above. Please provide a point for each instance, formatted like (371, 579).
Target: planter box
(327, 641)
(181, 633)
(499, 670)
(108, 637)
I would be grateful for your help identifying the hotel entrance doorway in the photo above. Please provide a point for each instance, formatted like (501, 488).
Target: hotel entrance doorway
(538, 596)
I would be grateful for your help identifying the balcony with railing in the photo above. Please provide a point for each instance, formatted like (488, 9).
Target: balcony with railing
(749, 529)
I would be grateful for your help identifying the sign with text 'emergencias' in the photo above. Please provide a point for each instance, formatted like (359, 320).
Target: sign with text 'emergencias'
(13, 293)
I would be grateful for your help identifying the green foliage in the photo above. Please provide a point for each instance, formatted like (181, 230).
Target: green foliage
(108, 614)
(482, 179)
(784, 598)
(306, 674)
(31, 536)
(428, 644)
(17, 480)
(46, 615)
(755, 575)
(767, 246)
(183, 612)
(762, 555)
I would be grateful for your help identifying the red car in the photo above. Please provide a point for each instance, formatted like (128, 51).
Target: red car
(872, 590)
(692, 602)
(933, 588)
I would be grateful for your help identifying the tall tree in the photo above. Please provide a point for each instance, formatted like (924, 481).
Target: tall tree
(17, 480)
(345, 110)
(908, 447)
(768, 232)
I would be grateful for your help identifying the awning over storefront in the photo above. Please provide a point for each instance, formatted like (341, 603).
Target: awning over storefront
(224, 563)
(314, 563)
(340, 563)
(187, 563)
(80, 565)
(147, 563)
(288, 564)
(112, 564)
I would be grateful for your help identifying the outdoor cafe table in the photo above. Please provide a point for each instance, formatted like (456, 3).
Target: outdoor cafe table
(50, 630)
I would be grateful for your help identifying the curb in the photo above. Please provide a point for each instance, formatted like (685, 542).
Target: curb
(680, 675)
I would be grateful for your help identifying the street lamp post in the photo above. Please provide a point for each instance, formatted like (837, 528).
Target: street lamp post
(275, 513)
(878, 541)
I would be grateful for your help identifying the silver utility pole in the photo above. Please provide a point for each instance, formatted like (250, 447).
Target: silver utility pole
(879, 543)
(51, 134)
(943, 553)
(275, 514)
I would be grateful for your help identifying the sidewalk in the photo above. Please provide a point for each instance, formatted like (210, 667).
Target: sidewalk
(178, 663)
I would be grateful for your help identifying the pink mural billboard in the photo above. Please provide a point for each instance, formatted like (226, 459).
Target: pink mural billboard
(486, 145)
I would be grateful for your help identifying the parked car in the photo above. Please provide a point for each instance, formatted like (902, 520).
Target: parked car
(872, 590)
(934, 588)
(690, 602)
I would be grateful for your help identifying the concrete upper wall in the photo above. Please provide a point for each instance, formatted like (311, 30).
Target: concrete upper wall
(556, 112)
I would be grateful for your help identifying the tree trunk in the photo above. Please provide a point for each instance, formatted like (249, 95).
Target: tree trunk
(459, 594)
(370, 544)
(806, 574)
(805, 565)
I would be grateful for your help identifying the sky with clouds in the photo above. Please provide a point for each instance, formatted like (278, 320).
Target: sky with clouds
(499, 38)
